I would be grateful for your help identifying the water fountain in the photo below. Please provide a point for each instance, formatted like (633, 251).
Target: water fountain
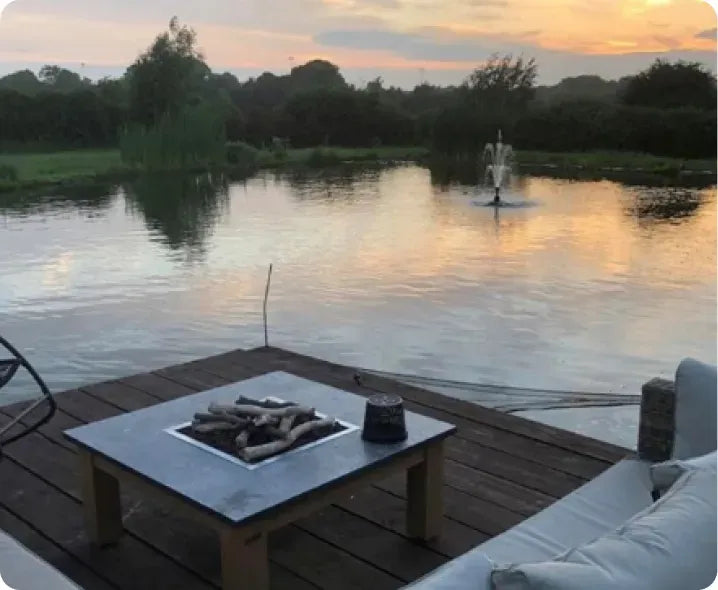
(498, 165)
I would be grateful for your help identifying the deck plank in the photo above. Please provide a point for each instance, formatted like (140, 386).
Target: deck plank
(554, 456)
(131, 564)
(499, 469)
(529, 428)
(52, 553)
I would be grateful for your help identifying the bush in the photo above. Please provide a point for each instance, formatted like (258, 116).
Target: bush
(8, 173)
(195, 138)
(319, 157)
(581, 125)
(241, 154)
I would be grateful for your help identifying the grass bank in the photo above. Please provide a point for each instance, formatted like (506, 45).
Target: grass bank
(325, 156)
(30, 170)
(614, 161)
(27, 170)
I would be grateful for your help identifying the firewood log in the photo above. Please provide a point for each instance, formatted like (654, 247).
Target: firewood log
(207, 427)
(220, 417)
(261, 451)
(242, 439)
(247, 410)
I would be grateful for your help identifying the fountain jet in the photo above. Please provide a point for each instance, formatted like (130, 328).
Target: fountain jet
(497, 158)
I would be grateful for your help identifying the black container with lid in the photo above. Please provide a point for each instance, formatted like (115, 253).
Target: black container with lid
(384, 419)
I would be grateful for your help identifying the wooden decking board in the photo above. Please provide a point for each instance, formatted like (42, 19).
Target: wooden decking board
(327, 566)
(553, 456)
(508, 494)
(86, 407)
(121, 396)
(596, 453)
(486, 517)
(380, 547)
(512, 468)
(53, 554)
(389, 511)
(529, 428)
(497, 472)
(157, 386)
(132, 565)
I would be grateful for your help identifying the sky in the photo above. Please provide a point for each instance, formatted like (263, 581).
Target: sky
(404, 41)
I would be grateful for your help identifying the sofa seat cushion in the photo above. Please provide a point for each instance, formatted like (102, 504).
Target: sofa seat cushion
(588, 512)
(671, 544)
(595, 508)
(21, 569)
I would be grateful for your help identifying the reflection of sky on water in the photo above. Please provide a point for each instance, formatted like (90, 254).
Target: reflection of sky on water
(589, 290)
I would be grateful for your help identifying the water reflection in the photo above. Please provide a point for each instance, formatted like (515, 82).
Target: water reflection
(182, 210)
(626, 177)
(447, 172)
(88, 199)
(345, 183)
(665, 204)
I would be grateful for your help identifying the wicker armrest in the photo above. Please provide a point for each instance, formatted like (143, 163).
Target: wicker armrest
(656, 427)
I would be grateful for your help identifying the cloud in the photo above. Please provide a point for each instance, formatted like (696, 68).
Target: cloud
(432, 44)
(297, 16)
(709, 34)
(393, 38)
(435, 44)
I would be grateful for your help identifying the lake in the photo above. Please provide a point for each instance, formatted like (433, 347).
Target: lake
(599, 286)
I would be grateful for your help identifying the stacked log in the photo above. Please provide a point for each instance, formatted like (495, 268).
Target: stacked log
(277, 426)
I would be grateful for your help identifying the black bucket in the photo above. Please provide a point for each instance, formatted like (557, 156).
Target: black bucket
(384, 419)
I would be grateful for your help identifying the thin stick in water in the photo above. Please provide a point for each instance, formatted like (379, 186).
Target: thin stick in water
(264, 308)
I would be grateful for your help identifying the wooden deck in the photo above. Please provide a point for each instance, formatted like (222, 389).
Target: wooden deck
(499, 470)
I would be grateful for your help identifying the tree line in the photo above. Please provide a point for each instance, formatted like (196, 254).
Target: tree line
(668, 109)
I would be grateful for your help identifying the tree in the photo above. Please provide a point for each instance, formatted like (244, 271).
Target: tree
(168, 76)
(316, 74)
(375, 86)
(23, 81)
(503, 81)
(59, 79)
(672, 85)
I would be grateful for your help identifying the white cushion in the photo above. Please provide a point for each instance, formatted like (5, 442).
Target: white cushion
(598, 506)
(695, 432)
(664, 475)
(595, 508)
(670, 545)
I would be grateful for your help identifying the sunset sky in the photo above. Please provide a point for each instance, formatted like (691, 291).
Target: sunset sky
(405, 41)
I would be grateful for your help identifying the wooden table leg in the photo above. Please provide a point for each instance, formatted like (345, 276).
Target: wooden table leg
(245, 564)
(101, 502)
(424, 494)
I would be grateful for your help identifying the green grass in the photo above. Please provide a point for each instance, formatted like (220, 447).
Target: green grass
(27, 170)
(58, 167)
(334, 155)
(602, 160)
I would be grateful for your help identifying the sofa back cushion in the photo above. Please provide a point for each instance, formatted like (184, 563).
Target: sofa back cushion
(669, 545)
(695, 432)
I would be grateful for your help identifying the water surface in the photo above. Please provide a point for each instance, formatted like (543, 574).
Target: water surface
(598, 287)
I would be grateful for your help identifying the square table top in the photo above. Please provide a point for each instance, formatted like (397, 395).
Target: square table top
(142, 442)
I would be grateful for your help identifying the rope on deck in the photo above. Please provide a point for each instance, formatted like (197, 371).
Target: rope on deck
(530, 399)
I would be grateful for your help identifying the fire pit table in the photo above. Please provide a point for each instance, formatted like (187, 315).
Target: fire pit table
(243, 494)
